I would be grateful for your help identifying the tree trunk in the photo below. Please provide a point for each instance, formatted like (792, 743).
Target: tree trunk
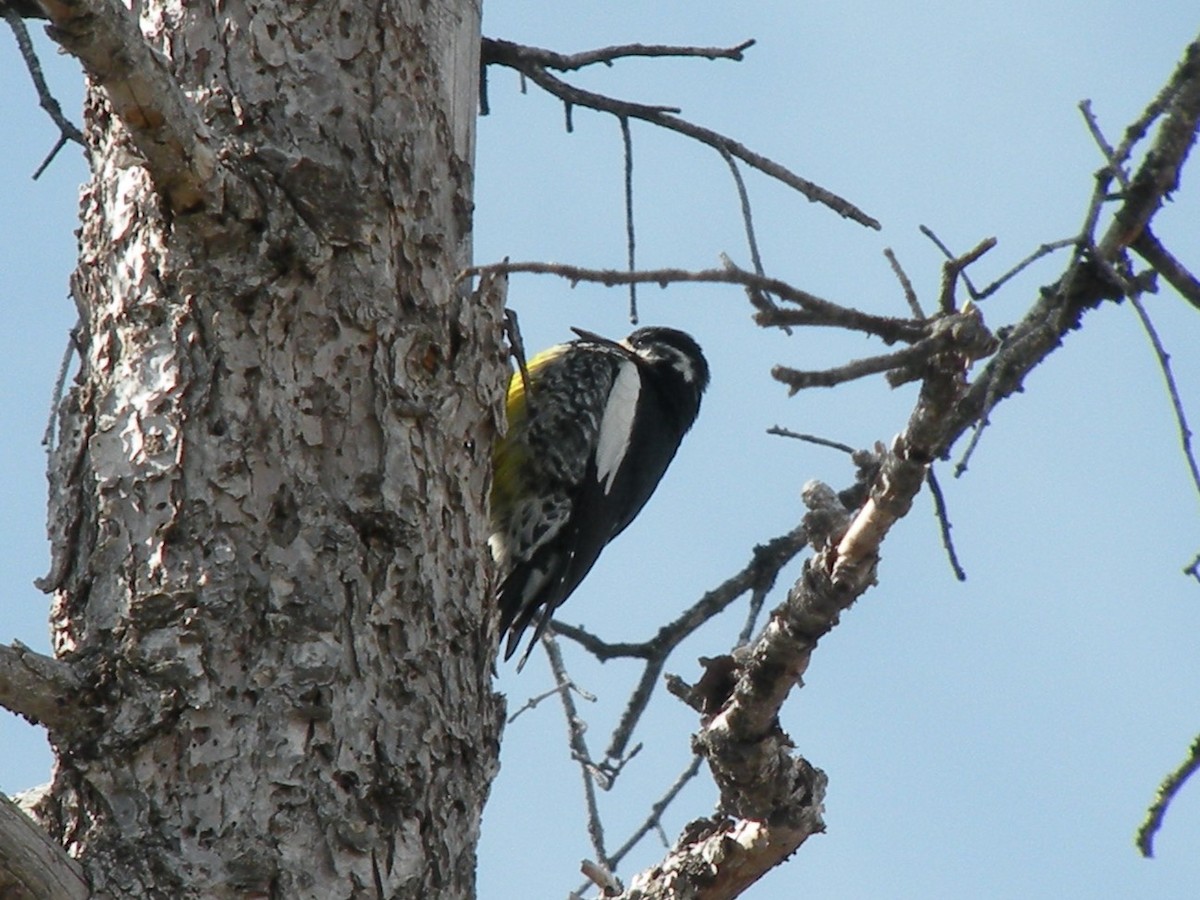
(268, 506)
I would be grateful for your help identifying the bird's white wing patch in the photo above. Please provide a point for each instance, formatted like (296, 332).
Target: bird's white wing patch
(617, 424)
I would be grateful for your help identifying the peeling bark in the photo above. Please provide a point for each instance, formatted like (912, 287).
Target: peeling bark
(268, 504)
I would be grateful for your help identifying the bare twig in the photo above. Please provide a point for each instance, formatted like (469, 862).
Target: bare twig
(747, 215)
(576, 729)
(67, 130)
(814, 310)
(910, 295)
(798, 380)
(768, 558)
(603, 650)
(1171, 786)
(658, 808)
(50, 157)
(494, 49)
(758, 598)
(60, 382)
(638, 701)
(1043, 250)
(780, 431)
(759, 299)
(939, 508)
(1164, 365)
(1117, 169)
(759, 574)
(947, 252)
(654, 819)
(946, 334)
(535, 701)
(954, 268)
(528, 61)
(630, 238)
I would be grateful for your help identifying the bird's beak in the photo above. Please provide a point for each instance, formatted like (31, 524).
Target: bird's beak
(593, 338)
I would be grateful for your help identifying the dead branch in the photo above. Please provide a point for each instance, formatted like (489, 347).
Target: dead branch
(947, 333)
(1176, 274)
(654, 819)
(943, 518)
(761, 572)
(536, 700)
(750, 757)
(32, 865)
(798, 380)
(910, 294)
(162, 121)
(953, 268)
(576, 729)
(44, 690)
(1162, 801)
(1117, 165)
(630, 234)
(780, 431)
(67, 130)
(1164, 366)
(718, 859)
(946, 252)
(814, 310)
(1083, 286)
(496, 51)
(528, 61)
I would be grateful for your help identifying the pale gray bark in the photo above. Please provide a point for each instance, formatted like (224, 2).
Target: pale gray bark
(45, 691)
(268, 506)
(32, 866)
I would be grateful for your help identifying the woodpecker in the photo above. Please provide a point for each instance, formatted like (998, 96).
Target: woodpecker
(592, 426)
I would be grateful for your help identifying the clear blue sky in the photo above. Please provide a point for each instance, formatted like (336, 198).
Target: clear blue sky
(995, 739)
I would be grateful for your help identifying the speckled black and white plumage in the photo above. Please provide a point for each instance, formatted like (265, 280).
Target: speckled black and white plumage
(588, 440)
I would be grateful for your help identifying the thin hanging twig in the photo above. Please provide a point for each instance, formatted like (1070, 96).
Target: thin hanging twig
(630, 238)
(939, 507)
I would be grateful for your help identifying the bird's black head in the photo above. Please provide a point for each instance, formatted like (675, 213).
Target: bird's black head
(675, 361)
